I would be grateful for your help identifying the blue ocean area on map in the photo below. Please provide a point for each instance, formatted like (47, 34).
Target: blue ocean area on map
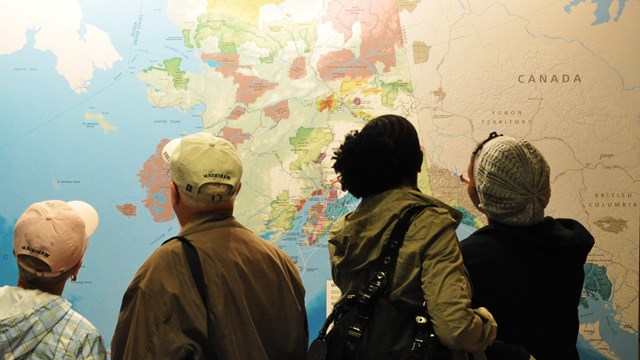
(315, 271)
(594, 310)
(93, 165)
(9, 272)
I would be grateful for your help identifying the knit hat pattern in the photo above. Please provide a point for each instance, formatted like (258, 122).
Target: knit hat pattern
(512, 180)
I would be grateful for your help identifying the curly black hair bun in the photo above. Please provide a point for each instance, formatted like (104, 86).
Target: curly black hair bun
(379, 157)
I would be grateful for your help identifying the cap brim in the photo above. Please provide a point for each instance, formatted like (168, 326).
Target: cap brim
(168, 149)
(88, 214)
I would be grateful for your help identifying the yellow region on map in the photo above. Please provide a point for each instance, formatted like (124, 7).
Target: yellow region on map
(247, 11)
(106, 126)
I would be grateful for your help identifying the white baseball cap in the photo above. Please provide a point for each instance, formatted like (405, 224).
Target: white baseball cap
(55, 232)
(201, 158)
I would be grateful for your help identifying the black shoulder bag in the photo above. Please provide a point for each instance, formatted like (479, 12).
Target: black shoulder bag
(198, 277)
(366, 325)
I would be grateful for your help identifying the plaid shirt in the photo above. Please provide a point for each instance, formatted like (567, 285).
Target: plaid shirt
(51, 331)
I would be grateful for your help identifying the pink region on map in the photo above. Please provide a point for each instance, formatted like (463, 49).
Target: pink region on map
(235, 136)
(237, 113)
(128, 209)
(300, 205)
(343, 15)
(298, 69)
(226, 64)
(154, 179)
(251, 88)
(380, 24)
(321, 157)
(333, 194)
(317, 221)
(278, 111)
(343, 64)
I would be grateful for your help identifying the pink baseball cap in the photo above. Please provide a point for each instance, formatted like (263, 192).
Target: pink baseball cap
(55, 232)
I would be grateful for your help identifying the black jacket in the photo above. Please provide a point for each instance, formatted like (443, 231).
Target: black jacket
(530, 278)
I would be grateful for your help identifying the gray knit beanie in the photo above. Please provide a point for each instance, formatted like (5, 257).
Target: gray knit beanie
(512, 180)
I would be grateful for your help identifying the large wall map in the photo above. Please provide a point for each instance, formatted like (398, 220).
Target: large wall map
(92, 91)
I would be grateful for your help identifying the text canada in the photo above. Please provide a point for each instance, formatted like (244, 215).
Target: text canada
(549, 79)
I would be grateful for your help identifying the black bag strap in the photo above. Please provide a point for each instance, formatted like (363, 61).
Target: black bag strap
(389, 255)
(385, 265)
(198, 277)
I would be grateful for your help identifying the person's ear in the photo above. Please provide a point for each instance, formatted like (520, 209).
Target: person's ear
(76, 268)
(175, 194)
(238, 189)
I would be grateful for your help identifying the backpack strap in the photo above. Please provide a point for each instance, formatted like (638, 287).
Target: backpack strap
(195, 266)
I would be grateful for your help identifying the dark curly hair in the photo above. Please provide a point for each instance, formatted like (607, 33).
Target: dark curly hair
(379, 157)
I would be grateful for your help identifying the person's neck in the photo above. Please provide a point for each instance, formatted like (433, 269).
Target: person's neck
(411, 182)
(217, 215)
(53, 290)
